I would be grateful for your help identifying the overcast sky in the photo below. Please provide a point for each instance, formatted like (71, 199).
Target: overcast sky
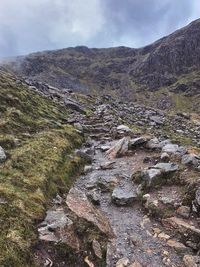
(35, 25)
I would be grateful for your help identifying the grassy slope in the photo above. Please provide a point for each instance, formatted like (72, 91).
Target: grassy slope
(38, 146)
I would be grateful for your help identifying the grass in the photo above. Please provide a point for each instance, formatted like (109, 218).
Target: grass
(40, 163)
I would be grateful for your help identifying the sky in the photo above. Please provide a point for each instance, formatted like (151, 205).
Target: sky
(36, 25)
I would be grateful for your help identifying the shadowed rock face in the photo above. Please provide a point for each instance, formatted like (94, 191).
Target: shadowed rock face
(123, 69)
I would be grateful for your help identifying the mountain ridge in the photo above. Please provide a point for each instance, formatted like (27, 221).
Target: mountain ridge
(172, 62)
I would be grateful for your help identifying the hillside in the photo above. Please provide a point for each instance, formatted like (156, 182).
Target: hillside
(170, 66)
(36, 163)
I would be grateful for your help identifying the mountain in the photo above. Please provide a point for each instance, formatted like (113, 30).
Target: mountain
(172, 62)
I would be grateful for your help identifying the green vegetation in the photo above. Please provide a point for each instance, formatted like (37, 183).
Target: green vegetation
(40, 163)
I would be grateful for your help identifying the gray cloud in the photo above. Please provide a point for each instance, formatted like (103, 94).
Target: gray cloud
(34, 25)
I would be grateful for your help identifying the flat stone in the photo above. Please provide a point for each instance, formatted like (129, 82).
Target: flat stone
(170, 148)
(124, 195)
(2, 155)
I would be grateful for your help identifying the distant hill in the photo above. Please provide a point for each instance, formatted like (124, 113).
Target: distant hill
(169, 66)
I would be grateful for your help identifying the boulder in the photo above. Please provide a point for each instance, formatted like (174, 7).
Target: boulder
(151, 177)
(2, 155)
(138, 141)
(78, 203)
(57, 227)
(124, 195)
(119, 149)
(174, 149)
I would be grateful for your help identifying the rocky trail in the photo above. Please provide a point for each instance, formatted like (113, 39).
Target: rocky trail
(131, 191)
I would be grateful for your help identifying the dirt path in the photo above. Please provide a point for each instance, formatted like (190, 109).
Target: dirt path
(134, 233)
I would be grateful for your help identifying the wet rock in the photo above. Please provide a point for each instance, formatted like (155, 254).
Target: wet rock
(119, 149)
(191, 261)
(138, 141)
(57, 227)
(183, 211)
(150, 177)
(124, 195)
(178, 246)
(2, 155)
(107, 165)
(78, 203)
(164, 157)
(192, 160)
(123, 262)
(97, 249)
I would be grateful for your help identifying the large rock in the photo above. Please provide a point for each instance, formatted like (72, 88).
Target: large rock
(124, 194)
(151, 177)
(191, 160)
(174, 149)
(119, 149)
(78, 203)
(57, 227)
(158, 174)
(138, 141)
(2, 155)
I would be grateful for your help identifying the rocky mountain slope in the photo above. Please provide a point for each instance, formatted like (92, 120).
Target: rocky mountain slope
(170, 66)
